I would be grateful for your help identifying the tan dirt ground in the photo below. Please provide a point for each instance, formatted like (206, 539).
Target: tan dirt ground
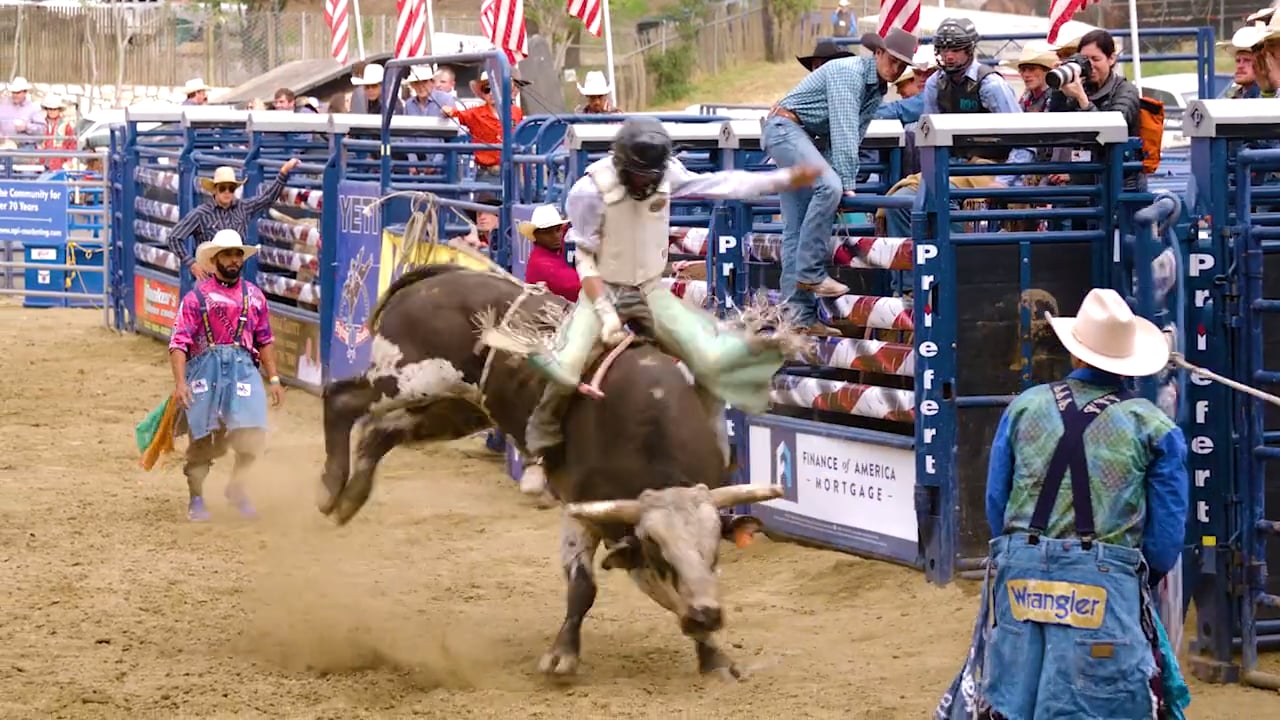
(434, 603)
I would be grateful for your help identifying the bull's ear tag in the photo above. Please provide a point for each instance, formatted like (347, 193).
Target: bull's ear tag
(1102, 651)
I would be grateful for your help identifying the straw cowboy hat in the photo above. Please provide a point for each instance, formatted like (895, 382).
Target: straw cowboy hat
(1246, 38)
(1044, 56)
(824, 50)
(484, 78)
(372, 75)
(544, 216)
(899, 43)
(193, 86)
(224, 175)
(596, 85)
(1107, 335)
(227, 239)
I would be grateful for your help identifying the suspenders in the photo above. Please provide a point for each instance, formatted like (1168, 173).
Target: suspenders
(244, 315)
(1070, 455)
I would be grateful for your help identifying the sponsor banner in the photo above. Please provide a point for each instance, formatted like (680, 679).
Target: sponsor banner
(155, 305)
(297, 348)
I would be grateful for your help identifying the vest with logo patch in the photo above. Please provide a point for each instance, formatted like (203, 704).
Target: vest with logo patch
(634, 234)
(965, 97)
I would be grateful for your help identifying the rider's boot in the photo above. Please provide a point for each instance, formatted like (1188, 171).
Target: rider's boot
(543, 432)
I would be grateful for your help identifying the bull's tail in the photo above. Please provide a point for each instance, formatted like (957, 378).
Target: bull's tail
(410, 277)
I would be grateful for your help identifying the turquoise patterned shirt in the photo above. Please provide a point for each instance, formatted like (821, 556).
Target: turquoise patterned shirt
(838, 101)
(1137, 470)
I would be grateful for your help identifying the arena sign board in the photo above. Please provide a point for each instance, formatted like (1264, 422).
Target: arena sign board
(359, 244)
(842, 492)
(34, 210)
(155, 305)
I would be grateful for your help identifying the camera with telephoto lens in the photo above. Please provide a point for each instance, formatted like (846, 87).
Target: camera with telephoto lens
(1077, 66)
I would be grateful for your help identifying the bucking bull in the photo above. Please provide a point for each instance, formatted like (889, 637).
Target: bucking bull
(640, 468)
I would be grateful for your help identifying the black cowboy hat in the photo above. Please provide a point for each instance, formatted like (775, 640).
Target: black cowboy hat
(824, 50)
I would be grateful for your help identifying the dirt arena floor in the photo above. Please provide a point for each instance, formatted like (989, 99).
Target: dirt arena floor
(435, 603)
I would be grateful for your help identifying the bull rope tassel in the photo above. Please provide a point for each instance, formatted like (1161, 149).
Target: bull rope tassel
(1177, 359)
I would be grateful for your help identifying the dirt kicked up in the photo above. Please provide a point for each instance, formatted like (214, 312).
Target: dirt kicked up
(436, 602)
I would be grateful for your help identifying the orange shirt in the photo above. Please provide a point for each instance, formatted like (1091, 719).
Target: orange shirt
(486, 127)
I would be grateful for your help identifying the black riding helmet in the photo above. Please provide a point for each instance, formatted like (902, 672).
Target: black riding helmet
(641, 151)
(956, 34)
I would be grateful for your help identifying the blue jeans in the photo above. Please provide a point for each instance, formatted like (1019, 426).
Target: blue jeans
(1068, 638)
(808, 216)
(897, 223)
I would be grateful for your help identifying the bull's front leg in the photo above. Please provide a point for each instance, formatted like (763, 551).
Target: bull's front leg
(578, 544)
(712, 659)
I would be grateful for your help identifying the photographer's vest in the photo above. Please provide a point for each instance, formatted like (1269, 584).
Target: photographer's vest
(964, 97)
(633, 233)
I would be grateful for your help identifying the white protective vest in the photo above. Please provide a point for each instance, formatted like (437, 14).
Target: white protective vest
(634, 234)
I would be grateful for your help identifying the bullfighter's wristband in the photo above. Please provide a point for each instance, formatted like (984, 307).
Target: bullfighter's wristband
(274, 379)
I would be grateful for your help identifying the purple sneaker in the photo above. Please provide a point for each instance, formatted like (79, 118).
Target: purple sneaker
(237, 497)
(196, 511)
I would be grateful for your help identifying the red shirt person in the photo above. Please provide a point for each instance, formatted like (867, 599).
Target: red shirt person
(546, 258)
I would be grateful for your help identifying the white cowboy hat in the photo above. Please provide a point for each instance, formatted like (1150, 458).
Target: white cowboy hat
(372, 75)
(422, 73)
(224, 175)
(544, 216)
(1246, 38)
(1107, 335)
(19, 84)
(227, 239)
(596, 84)
(52, 101)
(193, 86)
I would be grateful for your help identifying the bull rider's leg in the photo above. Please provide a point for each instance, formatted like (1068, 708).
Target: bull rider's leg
(564, 370)
(247, 444)
(715, 408)
(578, 544)
(200, 456)
(736, 369)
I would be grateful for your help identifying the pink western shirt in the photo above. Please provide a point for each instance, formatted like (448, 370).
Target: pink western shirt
(224, 314)
(551, 268)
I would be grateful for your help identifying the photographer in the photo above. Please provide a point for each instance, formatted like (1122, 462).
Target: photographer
(1088, 82)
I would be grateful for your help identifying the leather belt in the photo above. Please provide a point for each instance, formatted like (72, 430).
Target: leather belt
(779, 111)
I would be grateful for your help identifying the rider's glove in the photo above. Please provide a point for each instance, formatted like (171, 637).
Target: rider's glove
(611, 332)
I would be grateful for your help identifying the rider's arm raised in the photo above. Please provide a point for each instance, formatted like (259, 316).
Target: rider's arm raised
(727, 184)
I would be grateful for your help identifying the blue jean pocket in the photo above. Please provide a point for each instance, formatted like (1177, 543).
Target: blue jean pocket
(1111, 678)
(1009, 645)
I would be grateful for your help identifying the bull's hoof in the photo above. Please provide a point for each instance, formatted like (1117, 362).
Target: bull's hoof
(558, 663)
(729, 674)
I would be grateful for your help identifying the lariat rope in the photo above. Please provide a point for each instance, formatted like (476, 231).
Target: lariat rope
(1180, 361)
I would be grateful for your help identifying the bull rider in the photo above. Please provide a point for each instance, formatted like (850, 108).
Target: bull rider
(221, 337)
(619, 213)
(1087, 501)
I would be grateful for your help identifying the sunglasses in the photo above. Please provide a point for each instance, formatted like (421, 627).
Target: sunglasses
(225, 188)
(484, 89)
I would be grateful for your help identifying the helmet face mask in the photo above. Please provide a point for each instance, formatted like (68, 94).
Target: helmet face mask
(641, 152)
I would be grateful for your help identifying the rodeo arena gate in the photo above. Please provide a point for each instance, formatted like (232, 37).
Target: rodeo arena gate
(881, 445)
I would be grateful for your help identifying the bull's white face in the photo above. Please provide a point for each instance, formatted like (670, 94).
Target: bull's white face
(675, 553)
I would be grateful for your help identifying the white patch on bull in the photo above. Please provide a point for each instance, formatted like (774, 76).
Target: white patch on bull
(657, 393)
(648, 361)
(384, 356)
(417, 383)
(684, 370)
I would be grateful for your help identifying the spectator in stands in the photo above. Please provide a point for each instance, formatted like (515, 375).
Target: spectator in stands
(823, 52)
(483, 225)
(1244, 84)
(447, 80)
(595, 93)
(367, 99)
(1112, 530)
(545, 230)
(843, 21)
(908, 108)
(59, 131)
(197, 92)
(426, 100)
(21, 116)
(1033, 65)
(223, 211)
(1266, 58)
(485, 124)
(284, 99)
(221, 337)
(832, 108)
(338, 103)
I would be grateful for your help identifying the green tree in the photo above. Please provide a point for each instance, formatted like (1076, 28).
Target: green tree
(780, 18)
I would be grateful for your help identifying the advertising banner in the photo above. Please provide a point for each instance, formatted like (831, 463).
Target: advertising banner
(359, 246)
(846, 493)
(155, 305)
(34, 210)
(297, 348)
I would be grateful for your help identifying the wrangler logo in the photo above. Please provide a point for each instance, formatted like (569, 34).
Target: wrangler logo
(1058, 603)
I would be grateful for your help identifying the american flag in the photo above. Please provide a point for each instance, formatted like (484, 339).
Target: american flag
(590, 12)
(903, 14)
(411, 28)
(1061, 12)
(336, 15)
(503, 24)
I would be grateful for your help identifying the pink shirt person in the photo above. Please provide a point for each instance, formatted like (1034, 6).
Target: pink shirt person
(224, 304)
(546, 263)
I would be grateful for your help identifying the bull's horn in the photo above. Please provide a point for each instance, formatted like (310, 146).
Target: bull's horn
(626, 512)
(729, 495)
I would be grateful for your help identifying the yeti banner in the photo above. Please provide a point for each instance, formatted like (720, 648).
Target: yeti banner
(359, 244)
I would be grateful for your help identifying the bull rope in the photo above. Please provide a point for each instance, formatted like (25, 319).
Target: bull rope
(1180, 361)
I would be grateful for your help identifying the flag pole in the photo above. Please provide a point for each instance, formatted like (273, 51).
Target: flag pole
(1133, 40)
(355, 11)
(608, 54)
(431, 27)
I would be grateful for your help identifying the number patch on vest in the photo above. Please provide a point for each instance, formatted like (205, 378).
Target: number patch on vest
(243, 389)
(1058, 603)
(199, 386)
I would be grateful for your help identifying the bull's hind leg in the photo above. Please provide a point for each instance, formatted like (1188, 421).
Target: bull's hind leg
(578, 545)
(345, 402)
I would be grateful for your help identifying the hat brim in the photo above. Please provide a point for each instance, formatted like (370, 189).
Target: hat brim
(208, 184)
(808, 60)
(207, 251)
(1150, 354)
(873, 42)
(527, 228)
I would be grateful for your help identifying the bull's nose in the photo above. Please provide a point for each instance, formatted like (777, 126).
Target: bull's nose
(703, 620)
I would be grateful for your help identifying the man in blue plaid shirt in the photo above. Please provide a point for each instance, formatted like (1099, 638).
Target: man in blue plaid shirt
(822, 123)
